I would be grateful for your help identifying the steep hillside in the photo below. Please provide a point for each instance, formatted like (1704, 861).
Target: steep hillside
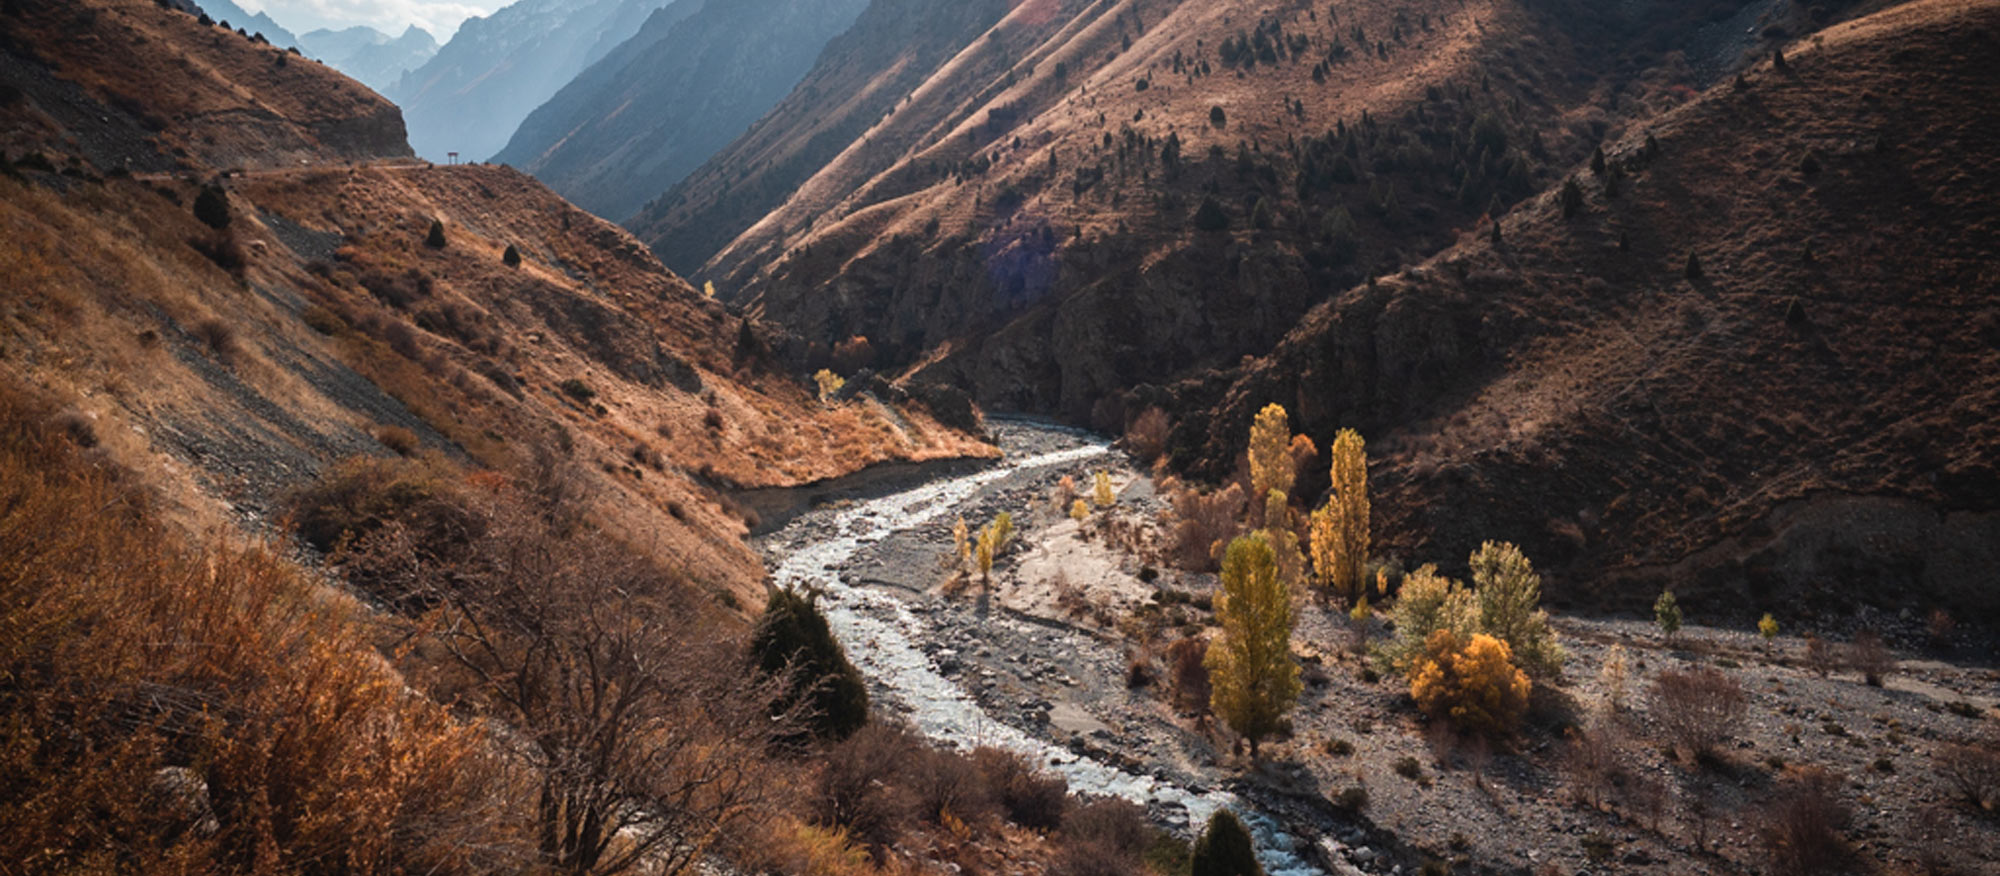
(235, 337)
(132, 85)
(471, 96)
(369, 55)
(640, 120)
(1085, 197)
(891, 50)
(1758, 364)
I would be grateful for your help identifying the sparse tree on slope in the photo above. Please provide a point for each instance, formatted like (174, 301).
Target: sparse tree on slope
(1250, 663)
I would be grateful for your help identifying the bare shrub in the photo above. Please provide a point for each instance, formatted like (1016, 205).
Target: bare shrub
(1203, 524)
(945, 784)
(1941, 628)
(1595, 761)
(1972, 770)
(1801, 829)
(1820, 656)
(1698, 709)
(1191, 685)
(1870, 657)
(857, 789)
(1104, 838)
(403, 441)
(1030, 797)
(220, 339)
(1146, 438)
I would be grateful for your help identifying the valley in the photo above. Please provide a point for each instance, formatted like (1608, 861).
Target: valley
(1040, 437)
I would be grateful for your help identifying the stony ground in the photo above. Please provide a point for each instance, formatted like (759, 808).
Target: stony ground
(1047, 646)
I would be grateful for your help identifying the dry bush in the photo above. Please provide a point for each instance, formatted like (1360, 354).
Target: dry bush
(1820, 657)
(1941, 628)
(812, 850)
(187, 710)
(1870, 657)
(944, 783)
(1596, 762)
(1801, 829)
(1203, 524)
(857, 789)
(1146, 438)
(661, 754)
(1191, 685)
(1471, 683)
(1030, 797)
(220, 339)
(1698, 709)
(1972, 770)
(1104, 838)
(403, 441)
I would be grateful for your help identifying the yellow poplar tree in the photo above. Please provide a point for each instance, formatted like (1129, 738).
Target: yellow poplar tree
(1079, 510)
(1340, 527)
(1101, 491)
(992, 540)
(1250, 662)
(1271, 466)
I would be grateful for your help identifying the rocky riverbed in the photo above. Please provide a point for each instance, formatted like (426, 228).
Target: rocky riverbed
(971, 669)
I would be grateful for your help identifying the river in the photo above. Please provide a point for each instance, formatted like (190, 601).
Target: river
(881, 632)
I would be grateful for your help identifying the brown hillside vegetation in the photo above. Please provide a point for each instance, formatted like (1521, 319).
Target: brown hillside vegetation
(1759, 360)
(238, 362)
(131, 84)
(1091, 197)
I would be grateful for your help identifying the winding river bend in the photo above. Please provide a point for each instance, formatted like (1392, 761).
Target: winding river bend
(881, 634)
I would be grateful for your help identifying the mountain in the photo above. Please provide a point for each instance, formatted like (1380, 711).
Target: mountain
(473, 94)
(892, 49)
(316, 324)
(369, 55)
(252, 23)
(1801, 421)
(118, 97)
(636, 122)
(1086, 211)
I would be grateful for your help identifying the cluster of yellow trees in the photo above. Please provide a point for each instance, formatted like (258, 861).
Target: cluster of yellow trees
(1469, 653)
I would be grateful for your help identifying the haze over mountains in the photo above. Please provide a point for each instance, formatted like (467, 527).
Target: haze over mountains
(369, 55)
(496, 69)
(639, 120)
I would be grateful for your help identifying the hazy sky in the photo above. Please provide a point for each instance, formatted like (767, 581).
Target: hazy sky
(440, 17)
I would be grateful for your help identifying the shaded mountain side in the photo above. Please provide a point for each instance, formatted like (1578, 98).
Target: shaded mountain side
(471, 96)
(1096, 196)
(892, 49)
(640, 120)
(127, 83)
(1758, 365)
(232, 336)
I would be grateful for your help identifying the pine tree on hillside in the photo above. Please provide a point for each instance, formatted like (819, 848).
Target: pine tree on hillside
(435, 240)
(212, 207)
(512, 257)
(793, 641)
